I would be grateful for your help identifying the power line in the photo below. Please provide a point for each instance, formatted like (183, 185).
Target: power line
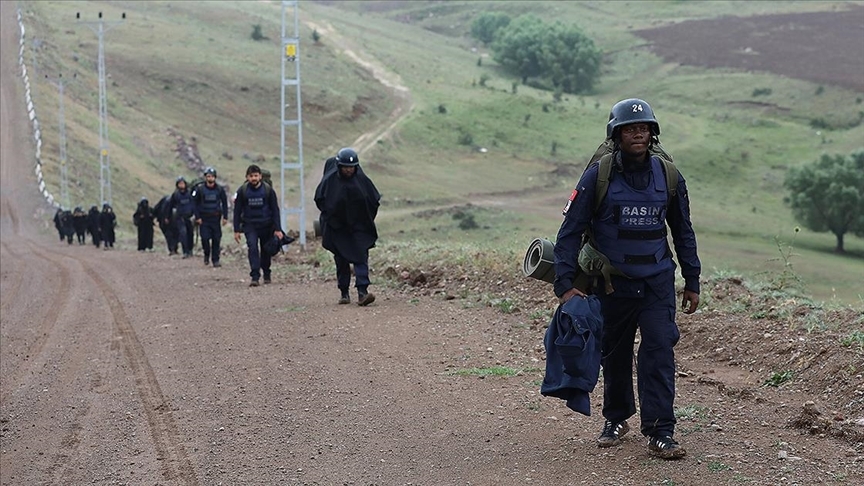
(291, 54)
(100, 27)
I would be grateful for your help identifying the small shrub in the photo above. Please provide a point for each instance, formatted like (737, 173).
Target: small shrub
(442, 109)
(856, 338)
(820, 90)
(257, 35)
(467, 222)
(778, 378)
(505, 305)
(761, 92)
(466, 138)
(316, 37)
(483, 78)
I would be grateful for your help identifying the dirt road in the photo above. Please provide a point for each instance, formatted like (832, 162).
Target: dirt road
(120, 367)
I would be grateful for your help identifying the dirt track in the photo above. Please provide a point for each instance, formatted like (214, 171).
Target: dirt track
(119, 367)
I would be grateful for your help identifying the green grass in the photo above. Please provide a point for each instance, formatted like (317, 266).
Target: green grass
(196, 70)
(493, 371)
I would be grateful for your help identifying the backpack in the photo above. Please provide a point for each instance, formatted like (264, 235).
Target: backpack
(603, 157)
(244, 188)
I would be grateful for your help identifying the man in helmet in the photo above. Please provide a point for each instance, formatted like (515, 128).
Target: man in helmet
(211, 211)
(256, 215)
(629, 227)
(348, 201)
(180, 209)
(143, 220)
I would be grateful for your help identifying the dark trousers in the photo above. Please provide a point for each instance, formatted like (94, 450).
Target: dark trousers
(343, 273)
(170, 234)
(211, 236)
(655, 318)
(185, 231)
(259, 260)
(97, 237)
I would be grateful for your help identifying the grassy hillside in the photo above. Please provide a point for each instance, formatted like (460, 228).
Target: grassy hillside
(193, 66)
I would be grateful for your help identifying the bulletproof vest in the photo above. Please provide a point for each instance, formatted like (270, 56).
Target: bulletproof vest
(183, 203)
(210, 201)
(257, 211)
(630, 228)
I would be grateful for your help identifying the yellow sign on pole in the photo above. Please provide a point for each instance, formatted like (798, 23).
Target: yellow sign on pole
(291, 51)
(104, 152)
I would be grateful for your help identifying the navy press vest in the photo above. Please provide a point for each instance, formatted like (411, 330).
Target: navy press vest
(184, 203)
(257, 210)
(631, 226)
(210, 204)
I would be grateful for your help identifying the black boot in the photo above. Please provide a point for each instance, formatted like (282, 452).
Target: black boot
(345, 299)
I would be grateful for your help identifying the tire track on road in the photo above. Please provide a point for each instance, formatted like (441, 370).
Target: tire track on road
(46, 325)
(175, 463)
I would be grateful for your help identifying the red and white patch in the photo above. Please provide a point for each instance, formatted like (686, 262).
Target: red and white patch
(570, 201)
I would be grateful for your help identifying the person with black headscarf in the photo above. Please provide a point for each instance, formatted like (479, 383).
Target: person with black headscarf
(348, 201)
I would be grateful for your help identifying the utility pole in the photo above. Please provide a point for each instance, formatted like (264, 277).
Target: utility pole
(291, 54)
(61, 121)
(100, 27)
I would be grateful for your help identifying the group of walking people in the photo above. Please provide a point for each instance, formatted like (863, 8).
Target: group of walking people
(76, 225)
(347, 199)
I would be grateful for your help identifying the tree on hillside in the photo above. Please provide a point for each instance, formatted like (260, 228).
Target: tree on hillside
(519, 46)
(487, 25)
(561, 54)
(570, 59)
(828, 195)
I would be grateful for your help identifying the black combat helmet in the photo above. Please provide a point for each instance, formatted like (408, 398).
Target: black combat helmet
(210, 170)
(629, 111)
(179, 180)
(347, 157)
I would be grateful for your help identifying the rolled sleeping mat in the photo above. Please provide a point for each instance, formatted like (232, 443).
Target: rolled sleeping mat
(539, 260)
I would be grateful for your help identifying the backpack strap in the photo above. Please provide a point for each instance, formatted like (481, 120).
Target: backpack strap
(268, 189)
(604, 170)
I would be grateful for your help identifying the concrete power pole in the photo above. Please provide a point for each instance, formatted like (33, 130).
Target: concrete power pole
(291, 54)
(61, 121)
(100, 27)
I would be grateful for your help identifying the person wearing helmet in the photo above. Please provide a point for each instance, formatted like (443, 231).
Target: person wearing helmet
(629, 228)
(211, 212)
(348, 201)
(256, 216)
(180, 209)
(143, 219)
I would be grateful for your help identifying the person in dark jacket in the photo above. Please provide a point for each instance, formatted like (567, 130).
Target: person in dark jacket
(348, 201)
(629, 228)
(58, 223)
(256, 215)
(181, 209)
(107, 222)
(93, 226)
(163, 216)
(68, 225)
(79, 222)
(211, 212)
(143, 220)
